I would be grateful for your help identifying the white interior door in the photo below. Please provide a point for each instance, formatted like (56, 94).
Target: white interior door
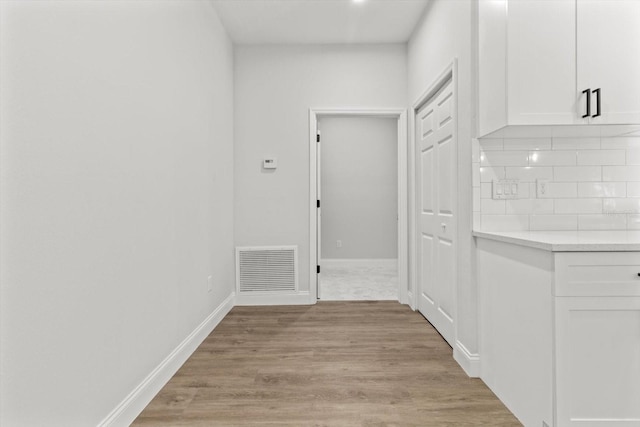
(436, 184)
(318, 214)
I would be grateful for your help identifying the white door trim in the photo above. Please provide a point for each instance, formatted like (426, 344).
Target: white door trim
(450, 72)
(403, 213)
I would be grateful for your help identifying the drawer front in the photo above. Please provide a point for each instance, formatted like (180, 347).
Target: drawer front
(597, 274)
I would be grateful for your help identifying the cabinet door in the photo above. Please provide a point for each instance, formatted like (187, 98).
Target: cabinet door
(492, 66)
(609, 57)
(541, 63)
(598, 361)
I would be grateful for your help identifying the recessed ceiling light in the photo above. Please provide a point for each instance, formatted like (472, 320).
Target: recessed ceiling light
(359, 1)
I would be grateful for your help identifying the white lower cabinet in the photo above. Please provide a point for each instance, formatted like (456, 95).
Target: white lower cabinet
(597, 338)
(598, 361)
(560, 334)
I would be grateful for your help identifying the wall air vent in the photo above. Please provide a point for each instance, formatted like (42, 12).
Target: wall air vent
(266, 269)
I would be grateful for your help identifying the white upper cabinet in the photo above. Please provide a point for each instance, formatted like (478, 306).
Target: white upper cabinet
(536, 58)
(608, 49)
(541, 62)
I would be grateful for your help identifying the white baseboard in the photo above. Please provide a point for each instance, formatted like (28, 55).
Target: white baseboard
(127, 411)
(470, 362)
(390, 262)
(410, 300)
(403, 297)
(300, 298)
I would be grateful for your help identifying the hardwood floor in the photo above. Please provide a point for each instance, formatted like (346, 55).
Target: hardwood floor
(332, 364)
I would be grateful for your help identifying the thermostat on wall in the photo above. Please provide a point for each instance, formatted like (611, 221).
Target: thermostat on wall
(270, 163)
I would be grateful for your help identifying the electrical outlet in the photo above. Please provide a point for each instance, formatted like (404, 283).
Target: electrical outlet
(542, 187)
(209, 283)
(338, 243)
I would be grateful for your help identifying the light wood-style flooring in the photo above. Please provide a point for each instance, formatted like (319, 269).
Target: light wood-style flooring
(332, 364)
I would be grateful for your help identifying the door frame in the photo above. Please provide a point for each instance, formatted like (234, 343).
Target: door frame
(400, 114)
(449, 73)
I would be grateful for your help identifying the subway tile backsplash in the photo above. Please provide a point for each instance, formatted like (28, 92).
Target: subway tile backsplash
(590, 183)
(577, 173)
(601, 157)
(604, 189)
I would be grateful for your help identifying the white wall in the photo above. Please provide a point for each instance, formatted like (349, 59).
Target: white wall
(275, 87)
(359, 187)
(116, 197)
(593, 183)
(446, 33)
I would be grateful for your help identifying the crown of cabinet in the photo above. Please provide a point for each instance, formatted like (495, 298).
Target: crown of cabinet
(561, 62)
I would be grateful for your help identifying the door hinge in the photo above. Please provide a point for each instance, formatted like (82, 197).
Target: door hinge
(318, 269)
(317, 137)
(318, 204)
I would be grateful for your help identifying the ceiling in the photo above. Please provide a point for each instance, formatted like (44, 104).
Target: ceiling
(319, 21)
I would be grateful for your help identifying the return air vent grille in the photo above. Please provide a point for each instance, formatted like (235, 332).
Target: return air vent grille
(267, 269)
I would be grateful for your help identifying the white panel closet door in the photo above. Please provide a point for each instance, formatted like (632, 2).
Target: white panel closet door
(436, 145)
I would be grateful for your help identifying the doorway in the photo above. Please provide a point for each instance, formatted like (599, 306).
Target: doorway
(358, 233)
(346, 252)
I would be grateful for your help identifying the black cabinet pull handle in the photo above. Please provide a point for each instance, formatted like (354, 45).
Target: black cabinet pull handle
(597, 92)
(588, 92)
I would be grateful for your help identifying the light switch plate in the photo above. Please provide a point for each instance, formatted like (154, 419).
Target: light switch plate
(505, 189)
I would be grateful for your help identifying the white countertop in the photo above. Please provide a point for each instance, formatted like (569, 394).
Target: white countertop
(568, 241)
